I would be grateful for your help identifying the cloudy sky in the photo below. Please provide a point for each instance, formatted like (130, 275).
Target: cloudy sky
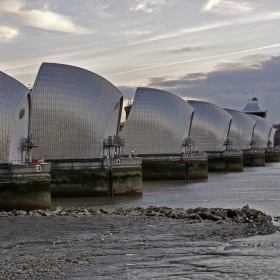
(216, 50)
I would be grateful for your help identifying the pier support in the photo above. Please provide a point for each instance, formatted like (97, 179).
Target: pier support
(25, 187)
(175, 167)
(227, 161)
(272, 155)
(253, 158)
(100, 178)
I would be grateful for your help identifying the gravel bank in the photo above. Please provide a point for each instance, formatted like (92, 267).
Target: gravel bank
(85, 243)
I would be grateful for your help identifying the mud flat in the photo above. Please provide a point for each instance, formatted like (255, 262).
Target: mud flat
(135, 243)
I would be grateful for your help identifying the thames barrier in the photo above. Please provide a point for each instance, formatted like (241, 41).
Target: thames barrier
(63, 137)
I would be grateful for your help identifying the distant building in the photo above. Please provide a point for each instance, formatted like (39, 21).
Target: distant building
(253, 108)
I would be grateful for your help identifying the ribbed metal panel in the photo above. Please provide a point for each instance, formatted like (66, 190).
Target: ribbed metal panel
(271, 136)
(12, 94)
(71, 109)
(157, 123)
(261, 132)
(210, 126)
(241, 129)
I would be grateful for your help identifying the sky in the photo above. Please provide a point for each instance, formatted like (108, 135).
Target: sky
(221, 51)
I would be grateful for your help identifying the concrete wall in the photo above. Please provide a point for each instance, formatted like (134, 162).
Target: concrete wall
(25, 187)
(80, 179)
(163, 169)
(256, 158)
(197, 167)
(272, 156)
(175, 168)
(232, 161)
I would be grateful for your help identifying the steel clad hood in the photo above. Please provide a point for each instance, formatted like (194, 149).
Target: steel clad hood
(157, 123)
(271, 136)
(210, 126)
(261, 132)
(241, 129)
(12, 96)
(73, 111)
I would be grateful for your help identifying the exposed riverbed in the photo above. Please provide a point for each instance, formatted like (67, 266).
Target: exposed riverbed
(102, 246)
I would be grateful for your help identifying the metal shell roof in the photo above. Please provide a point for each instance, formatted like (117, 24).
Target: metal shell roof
(241, 129)
(210, 126)
(157, 123)
(12, 93)
(71, 109)
(252, 107)
(271, 136)
(262, 131)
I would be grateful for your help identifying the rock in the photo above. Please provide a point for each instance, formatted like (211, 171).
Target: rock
(195, 216)
(221, 213)
(190, 211)
(238, 219)
(206, 215)
(245, 208)
(200, 209)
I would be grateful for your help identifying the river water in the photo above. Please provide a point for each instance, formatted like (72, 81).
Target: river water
(259, 187)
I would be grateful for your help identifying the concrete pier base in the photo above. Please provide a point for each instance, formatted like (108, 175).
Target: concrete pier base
(254, 158)
(175, 167)
(25, 187)
(227, 161)
(272, 155)
(100, 178)
(197, 167)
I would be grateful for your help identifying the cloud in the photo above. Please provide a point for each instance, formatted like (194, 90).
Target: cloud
(210, 4)
(146, 5)
(195, 59)
(227, 7)
(8, 33)
(231, 85)
(184, 50)
(44, 19)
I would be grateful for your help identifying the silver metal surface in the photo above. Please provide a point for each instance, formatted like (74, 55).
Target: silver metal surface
(12, 94)
(241, 129)
(261, 132)
(73, 110)
(252, 107)
(210, 126)
(157, 123)
(271, 136)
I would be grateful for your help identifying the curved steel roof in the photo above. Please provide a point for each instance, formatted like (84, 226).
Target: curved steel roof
(210, 126)
(157, 123)
(261, 132)
(271, 136)
(253, 107)
(71, 109)
(12, 94)
(241, 129)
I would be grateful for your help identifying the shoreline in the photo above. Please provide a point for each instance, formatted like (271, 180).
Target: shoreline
(81, 242)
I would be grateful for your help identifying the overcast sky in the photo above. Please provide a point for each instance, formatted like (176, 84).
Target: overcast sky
(215, 50)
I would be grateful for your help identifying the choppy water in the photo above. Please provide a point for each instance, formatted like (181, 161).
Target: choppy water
(259, 187)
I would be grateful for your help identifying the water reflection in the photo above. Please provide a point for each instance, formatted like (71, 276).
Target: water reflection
(258, 187)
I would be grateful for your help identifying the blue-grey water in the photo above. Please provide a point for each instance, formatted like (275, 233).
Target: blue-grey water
(248, 258)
